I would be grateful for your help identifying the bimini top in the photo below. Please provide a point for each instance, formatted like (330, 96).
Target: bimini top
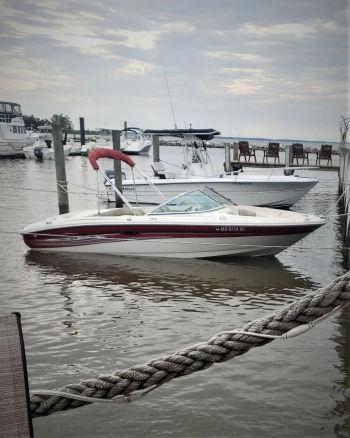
(108, 153)
(203, 134)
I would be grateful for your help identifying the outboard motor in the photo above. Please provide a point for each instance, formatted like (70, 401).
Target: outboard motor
(236, 167)
(109, 173)
(38, 152)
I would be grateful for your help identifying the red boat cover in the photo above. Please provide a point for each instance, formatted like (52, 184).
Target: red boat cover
(108, 153)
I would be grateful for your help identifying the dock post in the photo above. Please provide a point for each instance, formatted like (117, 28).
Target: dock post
(344, 181)
(117, 168)
(125, 125)
(288, 160)
(155, 142)
(15, 418)
(227, 164)
(82, 130)
(288, 156)
(62, 193)
(234, 164)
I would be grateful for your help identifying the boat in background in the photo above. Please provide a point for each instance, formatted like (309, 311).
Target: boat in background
(197, 224)
(13, 136)
(41, 151)
(133, 141)
(270, 189)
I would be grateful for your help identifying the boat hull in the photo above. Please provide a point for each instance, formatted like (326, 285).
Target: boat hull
(13, 149)
(282, 194)
(194, 241)
(47, 153)
(137, 149)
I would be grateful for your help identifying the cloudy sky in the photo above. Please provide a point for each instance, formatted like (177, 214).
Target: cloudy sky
(250, 68)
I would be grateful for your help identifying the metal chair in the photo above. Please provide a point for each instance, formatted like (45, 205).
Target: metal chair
(272, 151)
(298, 152)
(245, 151)
(325, 153)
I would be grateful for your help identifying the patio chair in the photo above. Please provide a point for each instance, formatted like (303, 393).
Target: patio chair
(272, 151)
(245, 151)
(298, 151)
(325, 153)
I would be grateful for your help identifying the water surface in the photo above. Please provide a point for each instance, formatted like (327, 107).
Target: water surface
(89, 315)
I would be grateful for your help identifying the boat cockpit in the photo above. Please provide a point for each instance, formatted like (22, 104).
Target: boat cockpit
(8, 111)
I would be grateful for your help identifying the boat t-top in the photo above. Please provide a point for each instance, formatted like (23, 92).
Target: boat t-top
(200, 223)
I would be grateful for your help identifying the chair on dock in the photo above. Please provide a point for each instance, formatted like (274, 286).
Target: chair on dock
(246, 151)
(272, 151)
(298, 151)
(325, 153)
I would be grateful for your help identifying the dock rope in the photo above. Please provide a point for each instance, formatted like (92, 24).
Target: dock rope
(135, 382)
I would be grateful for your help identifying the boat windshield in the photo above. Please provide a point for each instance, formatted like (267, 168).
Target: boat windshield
(196, 201)
(132, 134)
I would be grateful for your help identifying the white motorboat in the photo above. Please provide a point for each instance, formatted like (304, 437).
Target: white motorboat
(13, 136)
(271, 189)
(40, 150)
(197, 224)
(43, 147)
(133, 141)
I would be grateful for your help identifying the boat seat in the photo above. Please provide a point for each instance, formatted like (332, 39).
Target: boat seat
(245, 212)
(159, 169)
(121, 212)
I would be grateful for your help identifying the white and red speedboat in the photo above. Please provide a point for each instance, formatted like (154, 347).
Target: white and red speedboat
(197, 224)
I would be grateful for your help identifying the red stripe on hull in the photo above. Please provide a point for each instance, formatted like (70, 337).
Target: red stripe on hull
(97, 234)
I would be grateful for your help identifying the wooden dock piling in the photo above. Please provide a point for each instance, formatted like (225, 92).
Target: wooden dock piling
(155, 142)
(227, 164)
(117, 168)
(344, 181)
(62, 194)
(82, 130)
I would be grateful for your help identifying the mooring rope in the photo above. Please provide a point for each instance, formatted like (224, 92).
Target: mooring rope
(28, 189)
(290, 321)
(347, 188)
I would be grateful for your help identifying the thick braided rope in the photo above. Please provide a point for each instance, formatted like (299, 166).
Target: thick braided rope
(220, 348)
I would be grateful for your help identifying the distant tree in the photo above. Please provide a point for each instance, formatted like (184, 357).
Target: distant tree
(32, 122)
(64, 122)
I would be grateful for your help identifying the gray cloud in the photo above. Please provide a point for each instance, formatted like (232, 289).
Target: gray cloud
(274, 68)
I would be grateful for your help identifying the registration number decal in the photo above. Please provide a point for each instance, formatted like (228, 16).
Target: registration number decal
(228, 228)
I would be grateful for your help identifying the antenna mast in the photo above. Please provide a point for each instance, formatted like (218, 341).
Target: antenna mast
(167, 86)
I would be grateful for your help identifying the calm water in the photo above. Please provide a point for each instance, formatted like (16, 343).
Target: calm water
(85, 316)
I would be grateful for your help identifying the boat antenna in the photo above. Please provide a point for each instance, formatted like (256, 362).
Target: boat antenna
(167, 86)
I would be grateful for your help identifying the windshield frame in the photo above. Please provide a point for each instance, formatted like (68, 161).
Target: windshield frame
(210, 193)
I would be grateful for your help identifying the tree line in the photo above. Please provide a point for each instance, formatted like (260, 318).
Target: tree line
(32, 122)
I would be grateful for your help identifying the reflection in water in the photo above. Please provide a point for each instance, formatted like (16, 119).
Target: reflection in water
(167, 278)
(342, 390)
